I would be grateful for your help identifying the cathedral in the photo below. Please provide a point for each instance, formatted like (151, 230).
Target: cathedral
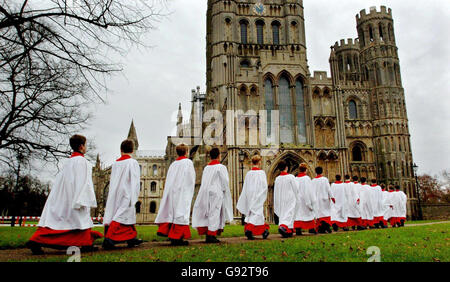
(351, 121)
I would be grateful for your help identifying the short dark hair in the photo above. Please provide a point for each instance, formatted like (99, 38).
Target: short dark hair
(347, 176)
(391, 187)
(374, 181)
(282, 165)
(214, 153)
(338, 177)
(363, 180)
(127, 146)
(182, 150)
(76, 141)
(355, 178)
(319, 170)
(303, 167)
(397, 187)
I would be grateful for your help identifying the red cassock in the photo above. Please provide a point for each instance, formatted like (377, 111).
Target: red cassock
(256, 230)
(305, 224)
(65, 238)
(323, 219)
(288, 230)
(120, 232)
(354, 222)
(205, 231)
(174, 231)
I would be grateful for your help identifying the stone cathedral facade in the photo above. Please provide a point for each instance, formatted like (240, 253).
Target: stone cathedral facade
(353, 121)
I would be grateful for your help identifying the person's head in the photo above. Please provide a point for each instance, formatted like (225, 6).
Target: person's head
(319, 170)
(127, 147)
(391, 188)
(214, 153)
(374, 181)
(282, 166)
(256, 160)
(303, 168)
(338, 177)
(182, 150)
(397, 187)
(355, 178)
(363, 180)
(78, 143)
(347, 177)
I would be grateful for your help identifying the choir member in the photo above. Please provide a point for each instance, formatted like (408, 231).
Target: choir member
(213, 206)
(324, 198)
(305, 216)
(285, 200)
(338, 210)
(175, 208)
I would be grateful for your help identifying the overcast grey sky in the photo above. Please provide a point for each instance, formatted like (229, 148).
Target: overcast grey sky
(156, 80)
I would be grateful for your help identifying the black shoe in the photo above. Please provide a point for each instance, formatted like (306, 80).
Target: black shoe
(249, 235)
(211, 239)
(298, 231)
(160, 234)
(377, 225)
(108, 244)
(180, 242)
(345, 229)
(360, 228)
(134, 242)
(312, 231)
(335, 227)
(265, 234)
(88, 249)
(353, 228)
(35, 248)
(328, 229)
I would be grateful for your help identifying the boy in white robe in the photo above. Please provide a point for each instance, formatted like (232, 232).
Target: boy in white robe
(120, 210)
(175, 208)
(366, 204)
(402, 206)
(285, 198)
(304, 216)
(252, 199)
(66, 218)
(378, 211)
(324, 200)
(338, 210)
(393, 200)
(213, 206)
(386, 207)
(353, 208)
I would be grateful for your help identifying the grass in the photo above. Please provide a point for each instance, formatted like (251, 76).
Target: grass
(412, 244)
(16, 237)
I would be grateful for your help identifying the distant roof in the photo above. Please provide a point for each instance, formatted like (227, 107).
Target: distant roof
(150, 153)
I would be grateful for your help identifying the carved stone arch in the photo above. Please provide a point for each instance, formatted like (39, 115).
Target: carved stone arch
(293, 160)
(358, 151)
(254, 90)
(243, 90)
(326, 92)
(329, 122)
(319, 123)
(300, 77)
(271, 77)
(317, 92)
(322, 155)
(333, 156)
(286, 74)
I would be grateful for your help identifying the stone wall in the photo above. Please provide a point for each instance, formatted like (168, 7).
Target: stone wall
(436, 211)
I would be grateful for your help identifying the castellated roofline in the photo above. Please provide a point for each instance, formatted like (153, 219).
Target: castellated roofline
(343, 44)
(373, 12)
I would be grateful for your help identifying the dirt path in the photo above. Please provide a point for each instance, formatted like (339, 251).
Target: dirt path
(25, 254)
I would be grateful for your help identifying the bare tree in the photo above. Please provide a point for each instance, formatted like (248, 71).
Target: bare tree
(55, 57)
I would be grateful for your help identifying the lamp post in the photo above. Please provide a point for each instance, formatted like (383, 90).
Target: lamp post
(241, 162)
(415, 169)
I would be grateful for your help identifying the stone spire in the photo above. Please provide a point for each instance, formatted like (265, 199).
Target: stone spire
(98, 163)
(179, 121)
(133, 136)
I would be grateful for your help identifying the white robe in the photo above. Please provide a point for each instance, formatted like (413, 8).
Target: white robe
(285, 199)
(213, 206)
(68, 206)
(387, 203)
(253, 196)
(338, 209)
(366, 203)
(323, 196)
(124, 188)
(377, 194)
(403, 203)
(353, 195)
(306, 199)
(176, 202)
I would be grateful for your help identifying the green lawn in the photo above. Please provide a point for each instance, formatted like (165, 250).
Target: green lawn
(411, 244)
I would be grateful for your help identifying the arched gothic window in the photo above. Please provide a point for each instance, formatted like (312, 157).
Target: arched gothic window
(276, 33)
(153, 207)
(153, 187)
(155, 170)
(285, 106)
(357, 153)
(300, 107)
(269, 99)
(244, 29)
(138, 207)
(353, 109)
(260, 31)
